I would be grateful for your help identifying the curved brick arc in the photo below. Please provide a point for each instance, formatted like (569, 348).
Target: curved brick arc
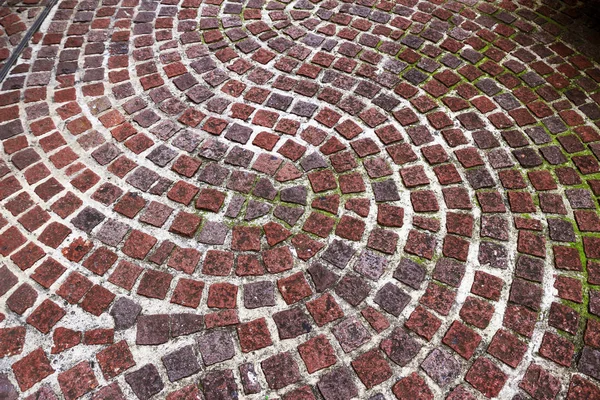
(302, 200)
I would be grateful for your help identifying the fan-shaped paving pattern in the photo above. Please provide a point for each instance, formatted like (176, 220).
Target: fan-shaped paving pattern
(302, 200)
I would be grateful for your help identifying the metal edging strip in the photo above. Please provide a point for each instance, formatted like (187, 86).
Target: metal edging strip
(25, 41)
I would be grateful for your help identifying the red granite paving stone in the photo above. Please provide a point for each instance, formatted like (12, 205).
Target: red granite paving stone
(97, 300)
(350, 228)
(324, 309)
(218, 263)
(327, 203)
(491, 202)
(593, 272)
(292, 150)
(587, 221)
(423, 323)
(222, 295)
(138, 244)
(447, 174)
(32, 368)
(557, 349)
(551, 203)
(401, 153)
(77, 249)
(539, 382)
(267, 163)
(429, 224)
(413, 176)
(39, 171)
(462, 339)
(125, 275)
(531, 243)
(412, 387)
(64, 339)
(563, 317)
(351, 183)
(372, 368)
(420, 244)
(9, 186)
(511, 179)
(182, 192)
(590, 246)
(390, 216)
(154, 284)
(66, 205)
(383, 240)
(100, 261)
(506, 347)
(22, 298)
(280, 370)
(542, 180)
(455, 247)
(99, 336)
(476, 312)
(85, 181)
(27, 256)
(184, 224)
(13, 340)
(591, 336)
(468, 157)
(322, 181)
(115, 359)
(343, 162)
(486, 377)
(306, 247)
(359, 206)
(186, 166)
(438, 298)
(19, 204)
(580, 388)
(460, 224)
(294, 288)
(520, 319)
(275, 233)
(377, 320)
(569, 288)
(435, 154)
(278, 259)
(521, 202)
(129, 205)
(460, 393)
(254, 335)
(287, 173)
(221, 318)
(302, 393)
(74, 287)
(107, 193)
(424, 201)
(318, 224)
(184, 259)
(77, 381)
(186, 393)
(245, 238)
(10, 240)
(63, 158)
(121, 166)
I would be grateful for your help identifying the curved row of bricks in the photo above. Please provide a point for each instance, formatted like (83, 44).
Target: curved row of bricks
(163, 94)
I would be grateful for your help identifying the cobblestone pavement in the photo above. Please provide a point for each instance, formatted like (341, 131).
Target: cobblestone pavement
(301, 199)
(16, 17)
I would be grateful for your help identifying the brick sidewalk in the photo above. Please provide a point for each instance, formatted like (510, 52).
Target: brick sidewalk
(300, 200)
